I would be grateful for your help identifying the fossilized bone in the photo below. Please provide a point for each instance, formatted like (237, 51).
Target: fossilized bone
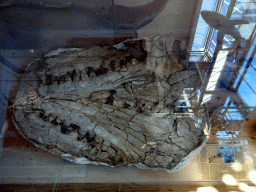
(112, 107)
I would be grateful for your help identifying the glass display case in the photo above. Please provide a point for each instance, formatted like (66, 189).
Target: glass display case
(185, 100)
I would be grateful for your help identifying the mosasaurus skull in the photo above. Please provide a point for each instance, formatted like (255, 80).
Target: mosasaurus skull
(114, 107)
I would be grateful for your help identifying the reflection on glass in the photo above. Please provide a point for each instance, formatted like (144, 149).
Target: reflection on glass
(229, 179)
(224, 7)
(247, 94)
(252, 176)
(202, 27)
(218, 66)
(249, 161)
(207, 189)
(246, 188)
(237, 166)
(250, 78)
(227, 154)
(226, 135)
(207, 97)
(233, 113)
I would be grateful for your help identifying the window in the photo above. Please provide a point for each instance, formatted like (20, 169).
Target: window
(231, 112)
(250, 78)
(247, 94)
(225, 7)
(206, 37)
(202, 27)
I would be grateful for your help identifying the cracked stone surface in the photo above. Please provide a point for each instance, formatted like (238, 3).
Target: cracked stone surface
(113, 107)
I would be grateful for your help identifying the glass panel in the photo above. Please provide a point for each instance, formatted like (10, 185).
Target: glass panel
(237, 80)
(246, 30)
(247, 94)
(195, 58)
(201, 31)
(243, 67)
(227, 1)
(250, 52)
(232, 105)
(208, 5)
(250, 78)
(199, 42)
(228, 41)
(234, 116)
(239, 9)
(253, 63)
(212, 48)
(224, 8)
(218, 66)
(201, 21)
(202, 26)
(227, 101)
(200, 34)
(207, 97)
(213, 42)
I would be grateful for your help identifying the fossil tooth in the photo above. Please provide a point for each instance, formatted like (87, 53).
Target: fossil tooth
(136, 48)
(41, 114)
(122, 63)
(57, 78)
(48, 79)
(80, 75)
(62, 78)
(139, 110)
(112, 92)
(72, 74)
(89, 70)
(90, 137)
(111, 65)
(54, 122)
(46, 118)
(129, 58)
(51, 118)
(110, 100)
(66, 129)
(126, 105)
(74, 126)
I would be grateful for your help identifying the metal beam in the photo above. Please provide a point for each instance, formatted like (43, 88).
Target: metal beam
(230, 8)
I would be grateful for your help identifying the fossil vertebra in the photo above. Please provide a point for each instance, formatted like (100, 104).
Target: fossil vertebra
(110, 106)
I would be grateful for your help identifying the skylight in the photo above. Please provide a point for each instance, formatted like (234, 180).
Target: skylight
(206, 37)
(202, 27)
(218, 66)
